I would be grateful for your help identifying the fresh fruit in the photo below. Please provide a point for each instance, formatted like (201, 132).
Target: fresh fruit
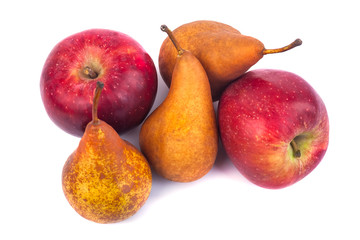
(180, 138)
(105, 179)
(222, 50)
(75, 65)
(273, 126)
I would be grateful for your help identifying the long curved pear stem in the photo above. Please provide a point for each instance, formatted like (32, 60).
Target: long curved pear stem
(295, 43)
(164, 28)
(99, 87)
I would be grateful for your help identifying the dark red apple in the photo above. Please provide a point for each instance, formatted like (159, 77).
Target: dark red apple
(74, 66)
(274, 127)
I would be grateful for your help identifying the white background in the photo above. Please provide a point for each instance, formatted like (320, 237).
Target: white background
(223, 204)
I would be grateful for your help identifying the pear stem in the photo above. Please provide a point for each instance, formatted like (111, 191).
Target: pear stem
(296, 150)
(89, 72)
(295, 43)
(164, 28)
(99, 87)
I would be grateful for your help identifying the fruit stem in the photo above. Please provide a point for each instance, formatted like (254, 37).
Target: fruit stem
(296, 149)
(295, 43)
(164, 28)
(89, 72)
(99, 87)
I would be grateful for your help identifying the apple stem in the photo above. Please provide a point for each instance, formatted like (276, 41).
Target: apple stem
(164, 28)
(88, 71)
(296, 149)
(99, 87)
(295, 43)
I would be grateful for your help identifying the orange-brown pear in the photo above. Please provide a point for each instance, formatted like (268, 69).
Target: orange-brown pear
(180, 138)
(106, 179)
(223, 51)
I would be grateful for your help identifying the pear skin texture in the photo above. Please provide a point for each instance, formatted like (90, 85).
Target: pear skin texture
(223, 51)
(106, 179)
(180, 138)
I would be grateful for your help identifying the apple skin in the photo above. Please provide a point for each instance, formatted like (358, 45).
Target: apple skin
(127, 71)
(259, 114)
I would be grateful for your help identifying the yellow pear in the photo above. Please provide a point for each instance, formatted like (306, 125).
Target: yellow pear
(180, 138)
(105, 179)
(223, 51)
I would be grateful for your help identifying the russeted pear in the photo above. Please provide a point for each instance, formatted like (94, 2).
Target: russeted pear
(106, 179)
(180, 138)
(222, 50)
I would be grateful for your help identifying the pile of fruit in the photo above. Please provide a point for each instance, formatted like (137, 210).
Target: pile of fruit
(98, 84)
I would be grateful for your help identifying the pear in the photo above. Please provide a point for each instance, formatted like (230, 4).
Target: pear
(223, 51)
(180, 137)
(106, 179)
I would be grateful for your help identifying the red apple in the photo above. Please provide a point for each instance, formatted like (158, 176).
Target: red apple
(74, 66)
(274, 127)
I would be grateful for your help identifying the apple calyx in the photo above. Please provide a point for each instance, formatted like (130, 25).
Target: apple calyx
(99, 87)
(296, 150)
(164, 28)
(90, 73)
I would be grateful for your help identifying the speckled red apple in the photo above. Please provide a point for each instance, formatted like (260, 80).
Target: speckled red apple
(274, 127)
(74, 66)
